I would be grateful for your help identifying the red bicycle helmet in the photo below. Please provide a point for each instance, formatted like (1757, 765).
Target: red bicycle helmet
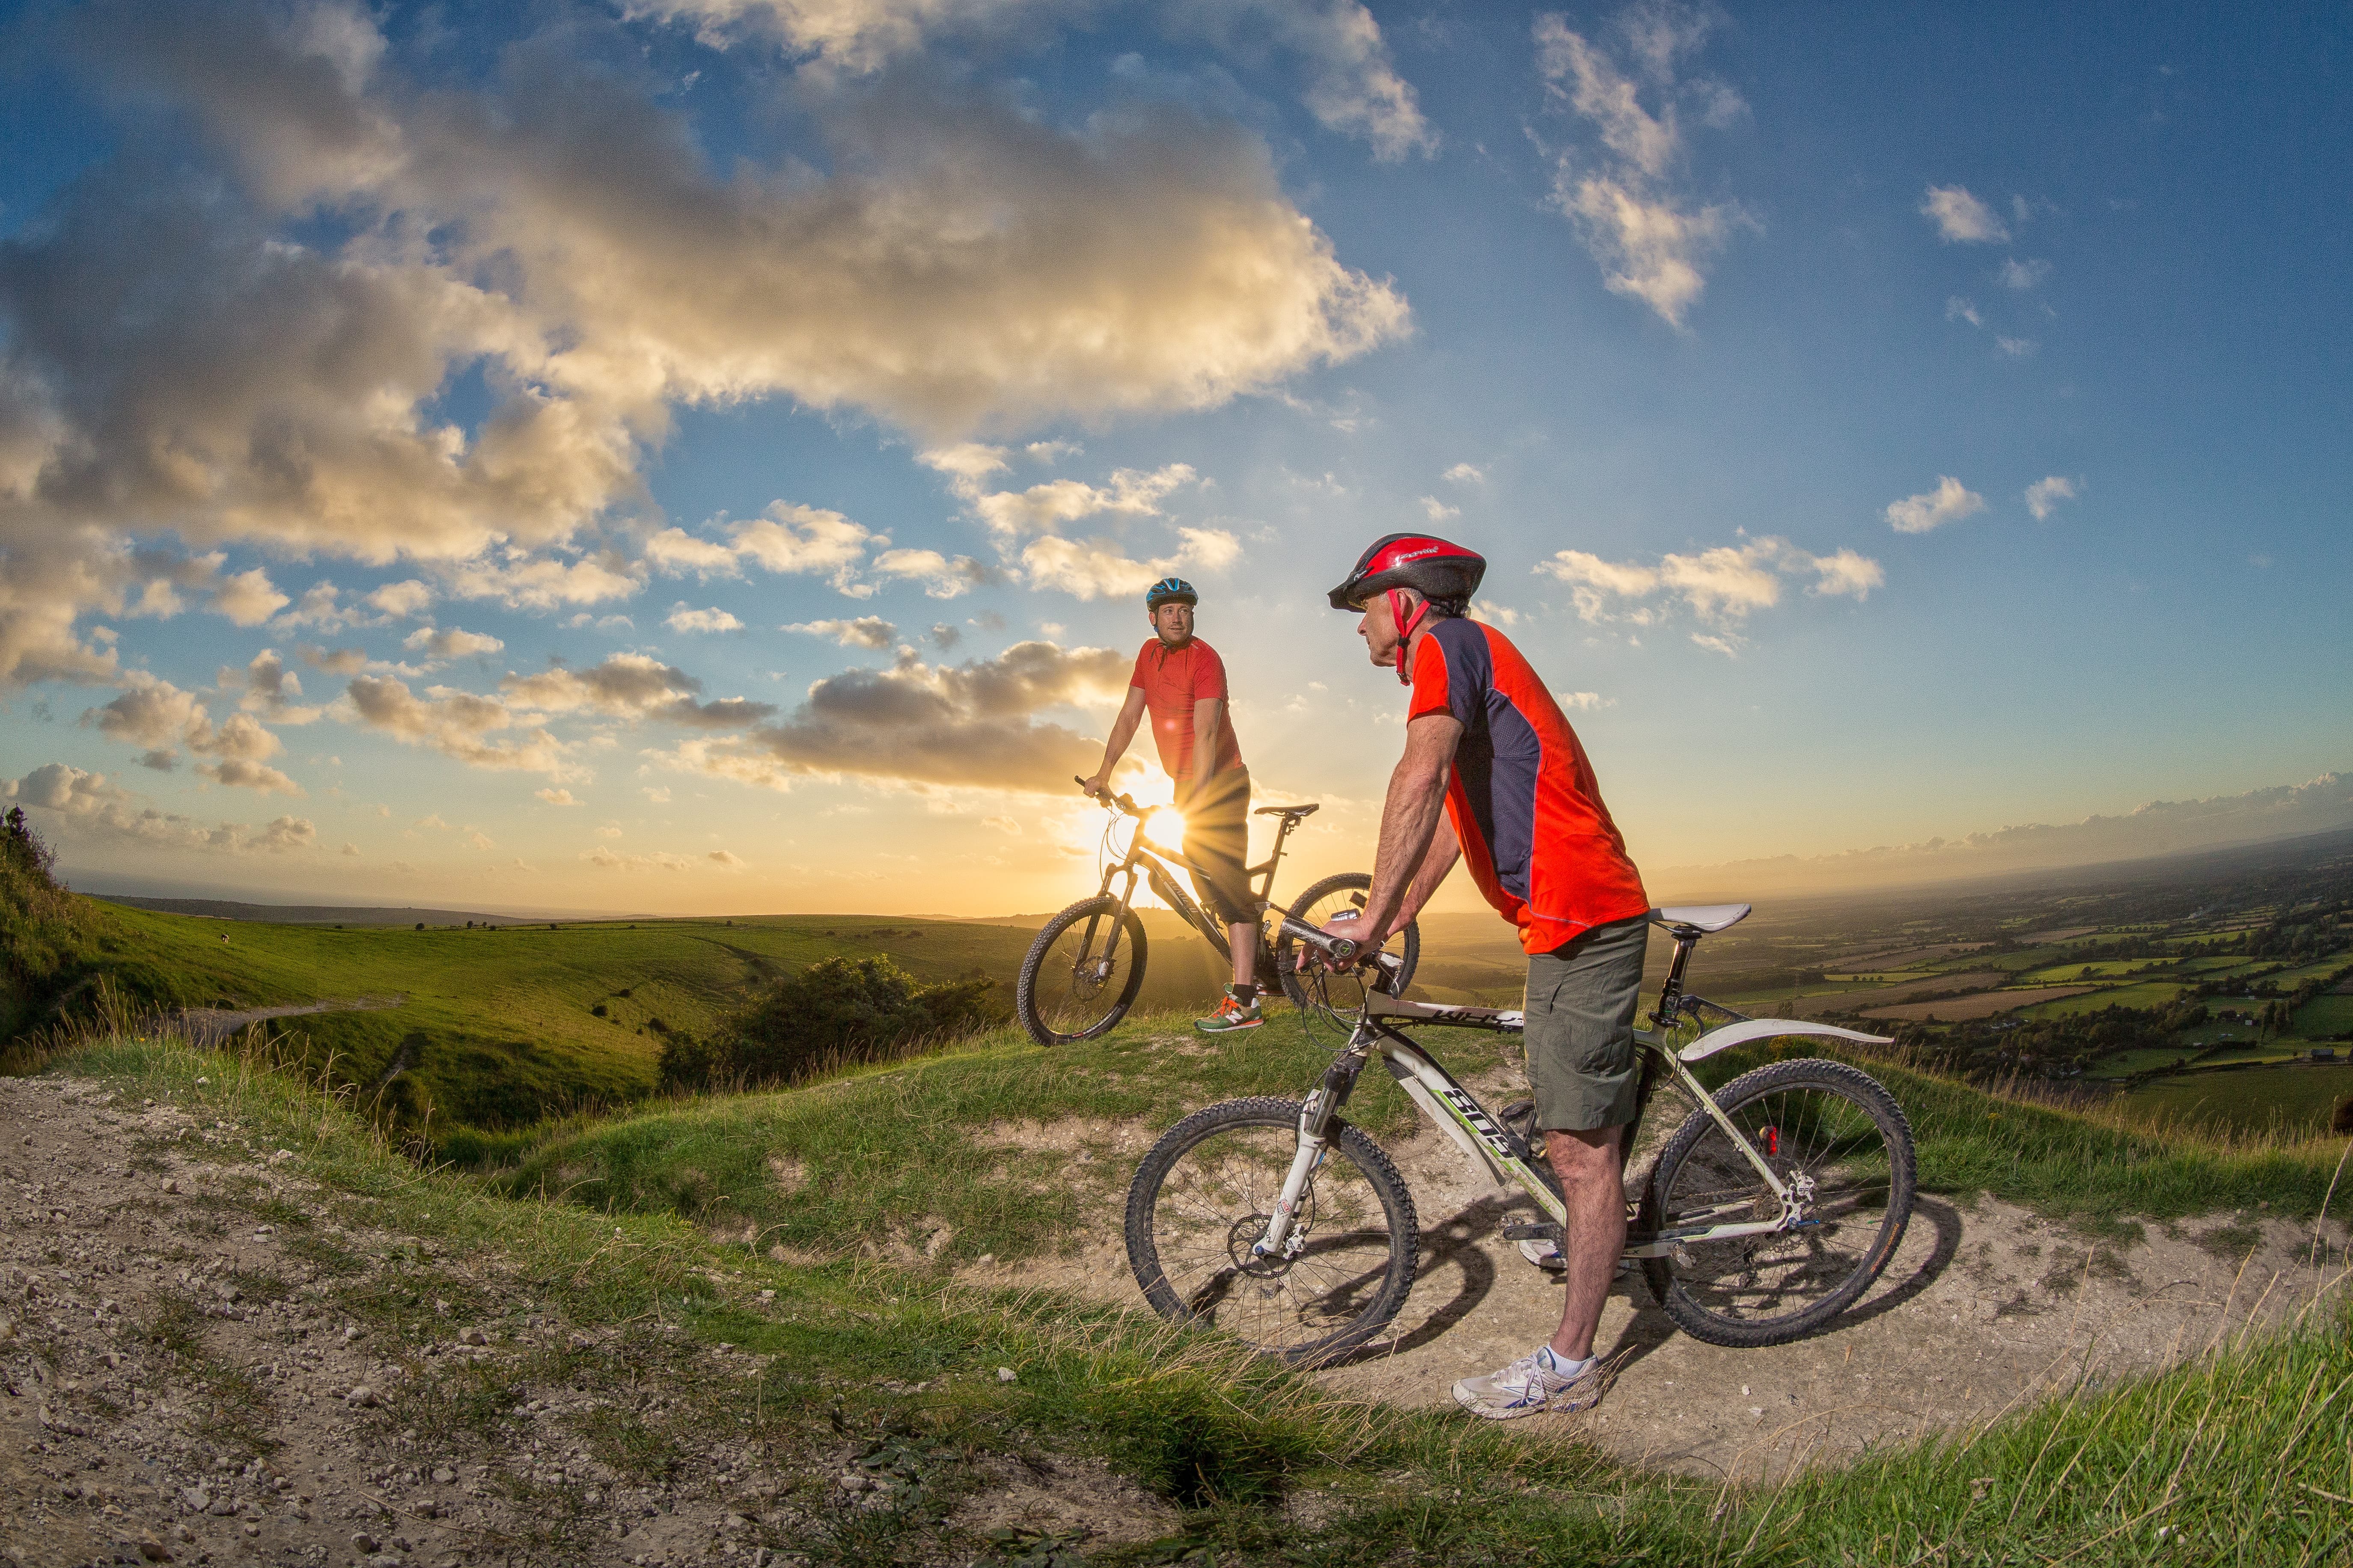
(1435, 568)
(1444, 573)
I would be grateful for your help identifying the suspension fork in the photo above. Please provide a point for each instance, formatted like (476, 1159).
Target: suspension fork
(1316, 1117)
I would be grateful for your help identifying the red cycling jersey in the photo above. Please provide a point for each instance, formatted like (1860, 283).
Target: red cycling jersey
(1522, 793)
(1173, 679)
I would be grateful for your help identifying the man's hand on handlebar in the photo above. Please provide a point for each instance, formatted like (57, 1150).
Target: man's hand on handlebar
(1346, 926)
(1098, 786)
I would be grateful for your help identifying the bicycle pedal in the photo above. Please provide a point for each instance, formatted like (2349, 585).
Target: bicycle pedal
(1531, 1232)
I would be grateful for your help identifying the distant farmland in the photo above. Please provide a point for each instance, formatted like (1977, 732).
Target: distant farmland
(1984, 1004)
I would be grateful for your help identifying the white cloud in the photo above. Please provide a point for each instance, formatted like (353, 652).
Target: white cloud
(556, 797)
(631, 686)
(788, 539)
(866, 631)
(399, 601)
(948, 263)
(1959, 310)
(1844, 574)
(480, 732)
(1728, 645)
(1464, 474)
(154, 714)
(1651, 237)
(248, 599)
(1948, 502)
(451, 642)
(682, 619)
(239, 774)
(1960, 217)
(2043, 496)
(1723, 585)
(88, 807)
(1097, 569)
(614, 861)
(2015, 348)
(974, 724)
(2024, 274)
(1353, 88)
(1437, 510)
(1583, 701)
(725, 860)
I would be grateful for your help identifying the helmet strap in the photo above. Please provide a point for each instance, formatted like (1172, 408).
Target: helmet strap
(1405, 629)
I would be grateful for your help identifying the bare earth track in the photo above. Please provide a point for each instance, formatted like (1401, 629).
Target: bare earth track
(1985, 1309)
(176, 1385)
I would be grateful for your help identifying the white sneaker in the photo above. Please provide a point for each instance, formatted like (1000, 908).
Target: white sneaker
(1545, 1255)
(1531, 1384)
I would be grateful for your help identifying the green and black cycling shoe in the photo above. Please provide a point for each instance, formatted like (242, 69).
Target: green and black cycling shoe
(1232, 1013)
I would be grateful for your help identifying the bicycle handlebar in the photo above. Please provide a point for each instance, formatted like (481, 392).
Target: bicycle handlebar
(1110, 801)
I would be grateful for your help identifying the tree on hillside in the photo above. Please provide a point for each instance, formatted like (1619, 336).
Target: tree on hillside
(837, 1010)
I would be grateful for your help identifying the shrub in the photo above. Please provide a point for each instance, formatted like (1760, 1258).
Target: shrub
(837, 1010)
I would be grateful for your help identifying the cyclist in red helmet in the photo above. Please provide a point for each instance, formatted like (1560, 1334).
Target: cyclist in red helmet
(1182, 682)
(1494, 775)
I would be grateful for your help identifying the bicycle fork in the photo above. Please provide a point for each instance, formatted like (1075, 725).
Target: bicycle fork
(1283, 1238)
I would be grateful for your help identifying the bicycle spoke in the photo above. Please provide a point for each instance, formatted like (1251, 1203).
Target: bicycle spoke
(1214, 1204)
(1829, 1153)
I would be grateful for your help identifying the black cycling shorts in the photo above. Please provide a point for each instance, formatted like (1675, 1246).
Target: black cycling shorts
(1217, 839)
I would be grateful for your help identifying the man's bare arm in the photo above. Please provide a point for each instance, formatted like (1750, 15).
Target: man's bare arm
(1206, 729)
(1444, 850)
(1123, 731)
(1410, 819)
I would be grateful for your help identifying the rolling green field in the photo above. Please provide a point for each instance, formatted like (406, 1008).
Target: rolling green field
(2147, 994)
(2292, 1101)
(2325, 1016)
(496, 1027)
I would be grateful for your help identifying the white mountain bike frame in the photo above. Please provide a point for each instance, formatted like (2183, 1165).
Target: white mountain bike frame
(1505, 1154)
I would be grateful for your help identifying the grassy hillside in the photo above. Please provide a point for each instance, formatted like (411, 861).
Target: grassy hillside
(2239, 1456)
(833, 1165)
(496, 1026)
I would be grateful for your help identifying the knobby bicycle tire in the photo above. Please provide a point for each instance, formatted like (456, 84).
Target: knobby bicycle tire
(1764, 1265)
(1120, 996)
(1327, 1315)
(1285, 946)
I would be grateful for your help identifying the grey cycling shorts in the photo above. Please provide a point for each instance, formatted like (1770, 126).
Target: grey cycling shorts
(1581, 1002)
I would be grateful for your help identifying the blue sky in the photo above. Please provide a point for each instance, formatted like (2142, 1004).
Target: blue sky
(735, 432)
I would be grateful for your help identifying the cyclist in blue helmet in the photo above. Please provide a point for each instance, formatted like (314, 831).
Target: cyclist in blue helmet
(1181, 681)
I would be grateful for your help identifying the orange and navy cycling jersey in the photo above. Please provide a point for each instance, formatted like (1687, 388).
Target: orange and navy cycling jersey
(1522, 794)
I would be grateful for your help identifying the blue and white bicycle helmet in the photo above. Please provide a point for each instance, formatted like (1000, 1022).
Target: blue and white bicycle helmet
(1170, 590)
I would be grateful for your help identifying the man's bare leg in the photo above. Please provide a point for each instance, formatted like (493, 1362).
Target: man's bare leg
(1593, 1191)
(1242, 937)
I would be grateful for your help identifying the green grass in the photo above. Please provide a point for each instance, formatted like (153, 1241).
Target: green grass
(2101, 969)
(2323, 1016)
(924, 1156)
(2242, 1451)
(496, 1027)
(2293, 1101)
(2149, 994)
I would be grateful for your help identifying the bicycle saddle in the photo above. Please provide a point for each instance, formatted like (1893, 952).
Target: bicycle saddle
(1292, 812)
(1701, 917)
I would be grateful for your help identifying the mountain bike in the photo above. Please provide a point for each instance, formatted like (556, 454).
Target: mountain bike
(1083, 971)
(1768, 1212)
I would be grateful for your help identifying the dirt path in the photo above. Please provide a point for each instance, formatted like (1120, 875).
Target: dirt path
(1984, 1308)
(168, 1311)
(211, 1026)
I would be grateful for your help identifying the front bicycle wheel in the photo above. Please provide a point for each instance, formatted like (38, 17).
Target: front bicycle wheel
(1318, 990)
(1205, 1193)
(1841, 1144)
(1082, 972)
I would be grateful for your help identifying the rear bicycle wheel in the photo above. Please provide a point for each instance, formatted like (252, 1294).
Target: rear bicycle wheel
(1827, 1129)
(1318, 990)
(1204, 1195)
(1082, 975)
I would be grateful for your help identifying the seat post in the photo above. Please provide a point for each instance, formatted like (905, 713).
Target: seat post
(1685, 939)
